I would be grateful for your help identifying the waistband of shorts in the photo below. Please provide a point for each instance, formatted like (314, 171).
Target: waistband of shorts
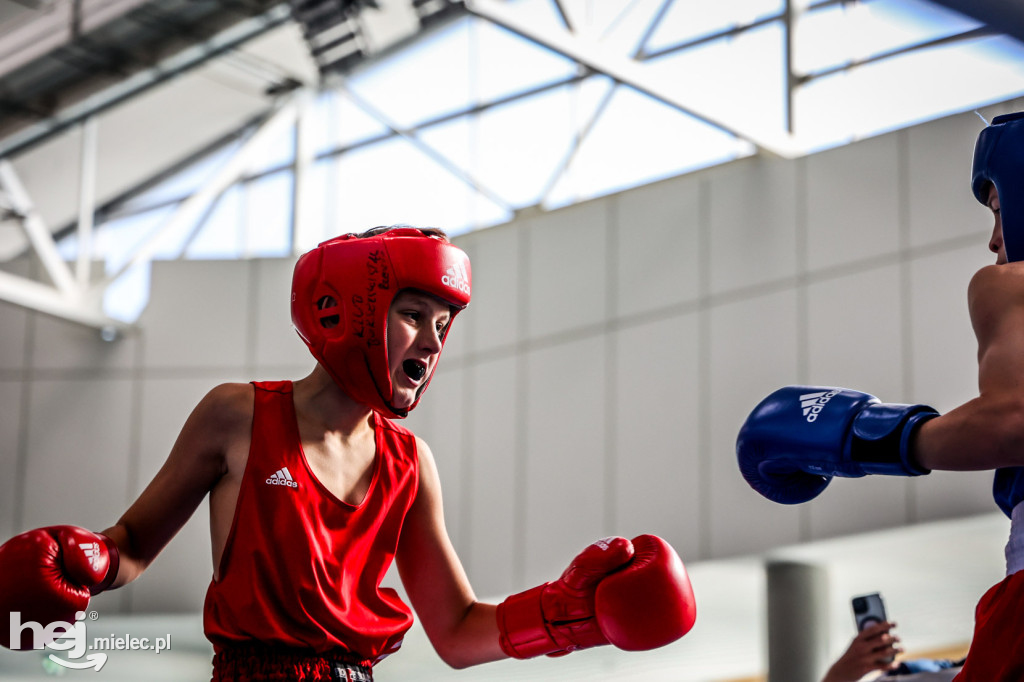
(262, 662)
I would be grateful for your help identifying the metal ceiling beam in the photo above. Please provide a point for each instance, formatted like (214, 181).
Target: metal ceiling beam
(972, 34)
(191, 210)
(626, 71)
(175, 65)
(413, 138)
(86, 202)
(33, 295)
(591, 121)
(1005, 16)
(78, 301)
(35, 229)
(66, 299)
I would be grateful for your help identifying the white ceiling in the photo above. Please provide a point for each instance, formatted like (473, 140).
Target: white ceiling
(159, 114)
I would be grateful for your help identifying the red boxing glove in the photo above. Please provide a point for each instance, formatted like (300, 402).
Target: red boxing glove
(635, 595)
(48, 575)
(649, 603)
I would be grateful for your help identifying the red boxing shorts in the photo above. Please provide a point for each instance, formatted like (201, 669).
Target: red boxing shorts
(262, 664)
(997, 649)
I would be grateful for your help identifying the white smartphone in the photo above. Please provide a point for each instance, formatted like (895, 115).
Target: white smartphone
(868, 609)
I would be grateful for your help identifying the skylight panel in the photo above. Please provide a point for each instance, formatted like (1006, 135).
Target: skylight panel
(394, 182)
(504, 63)
(910, 89)
(688, 20)
(740, 79)
(639, 140)
(846, 33)
(428, 78)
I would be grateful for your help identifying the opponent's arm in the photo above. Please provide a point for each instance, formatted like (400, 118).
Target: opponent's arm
(988, 431)
(799, 437)
(462, 630)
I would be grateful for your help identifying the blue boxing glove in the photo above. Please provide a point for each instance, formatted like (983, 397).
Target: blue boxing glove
(799, 437)
(1008, 488)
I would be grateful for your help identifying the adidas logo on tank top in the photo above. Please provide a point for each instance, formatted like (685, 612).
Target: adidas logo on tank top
(282, 477)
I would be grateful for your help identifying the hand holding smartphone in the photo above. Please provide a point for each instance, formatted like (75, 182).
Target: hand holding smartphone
(868, 610)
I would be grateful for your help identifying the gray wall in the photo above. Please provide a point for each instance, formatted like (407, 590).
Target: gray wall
(595, 384)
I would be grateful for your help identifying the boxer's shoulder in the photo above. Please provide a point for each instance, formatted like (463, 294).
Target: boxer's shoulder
(231, 400)
(994, 291)
(995, 280)
(225, 412)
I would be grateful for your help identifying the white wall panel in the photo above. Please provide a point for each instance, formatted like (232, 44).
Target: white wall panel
(752, 207)
(565, 455)
(566, 281)
(856, 505)
(14, 324)
(495, 508)
(945, 366)
(953, 494)
(275, 342)
(176, 582)
(753, 352)
(657, 472)
(438, 419)
(164, 406)
(78, 452)
(854, 333)
(656, 246)
(852, 198)
(10, 441)
(941, 204)
(492, 318)
(64, 345)
(456, 344)
(198, 315)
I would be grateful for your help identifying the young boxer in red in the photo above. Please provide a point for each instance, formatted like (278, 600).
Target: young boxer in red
(315, 490)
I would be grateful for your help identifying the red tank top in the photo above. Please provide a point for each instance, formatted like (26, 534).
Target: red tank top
(301, 568)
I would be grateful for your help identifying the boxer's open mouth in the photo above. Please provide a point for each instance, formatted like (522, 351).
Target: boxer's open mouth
(415, 369)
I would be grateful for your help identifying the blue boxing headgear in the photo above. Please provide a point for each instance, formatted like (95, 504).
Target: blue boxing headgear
(999, 160)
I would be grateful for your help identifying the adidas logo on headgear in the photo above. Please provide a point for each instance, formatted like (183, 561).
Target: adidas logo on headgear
(813, 403)
(455, 276)
(282, 477)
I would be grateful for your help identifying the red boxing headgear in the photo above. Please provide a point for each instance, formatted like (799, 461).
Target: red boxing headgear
(341, 294)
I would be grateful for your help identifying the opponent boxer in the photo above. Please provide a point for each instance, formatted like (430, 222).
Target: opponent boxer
(798, 438)
(314, 490)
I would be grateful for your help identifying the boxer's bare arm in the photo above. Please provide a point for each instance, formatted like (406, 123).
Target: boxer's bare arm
(462, 630)
(988, 431)
(214, 435)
